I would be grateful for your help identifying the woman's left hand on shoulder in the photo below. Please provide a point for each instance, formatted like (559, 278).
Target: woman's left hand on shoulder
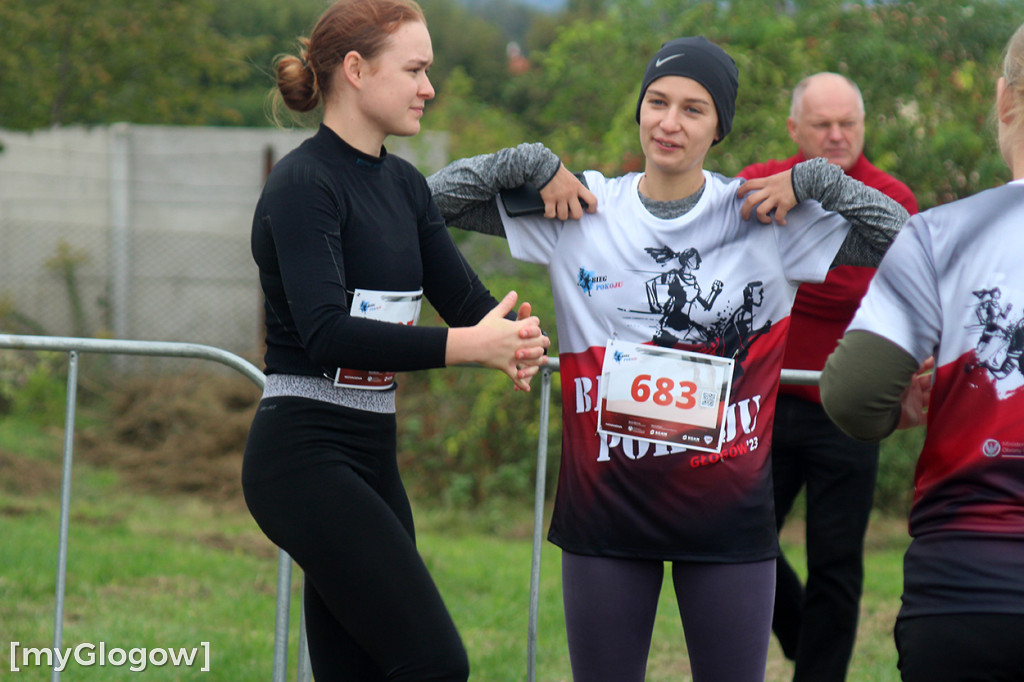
(769, 197)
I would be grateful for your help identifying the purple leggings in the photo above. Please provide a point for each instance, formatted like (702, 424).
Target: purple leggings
(610, 604)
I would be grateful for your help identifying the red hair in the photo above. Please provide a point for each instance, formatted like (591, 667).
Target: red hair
(363, 26)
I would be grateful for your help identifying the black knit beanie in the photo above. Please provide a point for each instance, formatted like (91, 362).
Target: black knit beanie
(703, 61)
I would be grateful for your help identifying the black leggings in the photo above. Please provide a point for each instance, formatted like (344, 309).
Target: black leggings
(322, 482)
(610, 605)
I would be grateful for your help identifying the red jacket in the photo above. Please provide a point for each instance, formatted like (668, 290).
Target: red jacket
(822, 312)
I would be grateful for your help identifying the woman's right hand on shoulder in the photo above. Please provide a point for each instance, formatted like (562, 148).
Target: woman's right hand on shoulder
(516, 348)
(565, 196)
(768, 198)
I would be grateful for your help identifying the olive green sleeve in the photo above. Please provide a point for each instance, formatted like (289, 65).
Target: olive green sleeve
(863, 382)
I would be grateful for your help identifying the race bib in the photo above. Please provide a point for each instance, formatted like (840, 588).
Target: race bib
(398, 307)
(664, 395)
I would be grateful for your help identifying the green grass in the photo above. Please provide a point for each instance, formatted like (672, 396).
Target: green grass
(153, 571)
(147, 571)
(142, 572)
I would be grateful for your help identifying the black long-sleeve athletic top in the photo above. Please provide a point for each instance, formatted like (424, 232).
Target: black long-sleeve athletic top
(331, 220)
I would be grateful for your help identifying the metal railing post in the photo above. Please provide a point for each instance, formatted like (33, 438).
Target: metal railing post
(281, 615)
(303, 671)
(538, 517)
(65, 508)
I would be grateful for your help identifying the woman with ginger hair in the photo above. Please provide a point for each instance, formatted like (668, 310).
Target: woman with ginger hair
(348, 240)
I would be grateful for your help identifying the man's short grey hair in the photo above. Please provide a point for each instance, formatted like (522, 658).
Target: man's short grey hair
(801, 87)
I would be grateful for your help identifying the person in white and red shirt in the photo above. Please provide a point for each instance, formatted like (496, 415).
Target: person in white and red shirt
(950, 293)
(681, 257)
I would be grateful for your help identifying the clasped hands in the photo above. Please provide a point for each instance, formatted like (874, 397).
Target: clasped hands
(517, 348)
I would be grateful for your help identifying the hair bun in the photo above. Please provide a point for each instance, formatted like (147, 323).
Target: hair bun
(296, 80)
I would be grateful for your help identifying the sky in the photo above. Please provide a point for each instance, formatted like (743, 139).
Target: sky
(550, 5)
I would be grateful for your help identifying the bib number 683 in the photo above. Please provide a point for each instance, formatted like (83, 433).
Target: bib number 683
(641, 391)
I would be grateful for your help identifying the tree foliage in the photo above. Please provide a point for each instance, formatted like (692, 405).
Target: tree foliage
(927, 71)
(466, 41)
(70, 61)
(268, 28)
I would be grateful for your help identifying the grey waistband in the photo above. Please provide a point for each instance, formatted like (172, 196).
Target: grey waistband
(323, 389)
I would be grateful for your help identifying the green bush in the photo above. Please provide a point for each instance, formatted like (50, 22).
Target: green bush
(895, 488)
(33, 386)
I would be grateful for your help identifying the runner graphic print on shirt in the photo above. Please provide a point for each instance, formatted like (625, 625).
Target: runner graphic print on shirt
(585, 280)
(672, 295)
(1001, 343)
(683, 292)
(667, 303)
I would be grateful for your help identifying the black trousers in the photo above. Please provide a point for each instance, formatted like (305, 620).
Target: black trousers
(322, 482)
(961, 647)
(816, 624)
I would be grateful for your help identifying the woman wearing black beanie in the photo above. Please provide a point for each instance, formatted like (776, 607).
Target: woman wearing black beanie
(674, 258)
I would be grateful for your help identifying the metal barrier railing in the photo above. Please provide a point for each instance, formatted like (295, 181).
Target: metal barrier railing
(538, 517)
(73, 346)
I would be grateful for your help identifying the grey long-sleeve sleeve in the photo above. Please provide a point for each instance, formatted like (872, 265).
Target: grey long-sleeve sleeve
(875, 217)
(464, 190)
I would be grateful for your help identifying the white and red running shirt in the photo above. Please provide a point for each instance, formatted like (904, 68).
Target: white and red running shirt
(710, 282)
(952, 286)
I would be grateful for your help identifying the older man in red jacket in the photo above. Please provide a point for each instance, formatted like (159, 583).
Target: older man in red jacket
(816, 625)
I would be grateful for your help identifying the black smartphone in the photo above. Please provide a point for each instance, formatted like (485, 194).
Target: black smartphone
(525, 199)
